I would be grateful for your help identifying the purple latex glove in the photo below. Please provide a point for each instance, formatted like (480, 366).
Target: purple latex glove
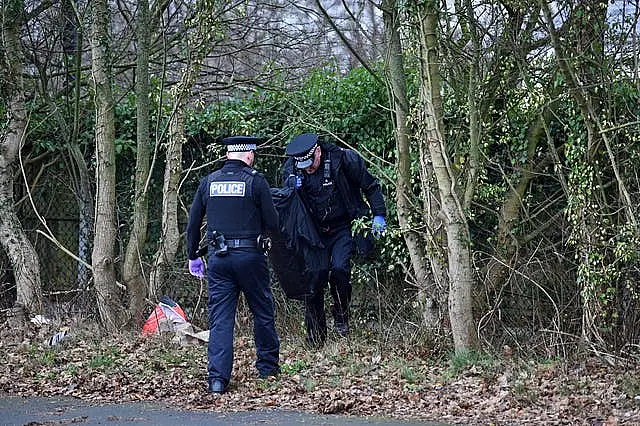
(196, 268)
(378, 226)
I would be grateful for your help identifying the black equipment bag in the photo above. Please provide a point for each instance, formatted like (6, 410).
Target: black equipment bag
(299, 259)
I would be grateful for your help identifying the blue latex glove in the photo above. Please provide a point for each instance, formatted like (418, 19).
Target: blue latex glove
(196, 268)
(378, 226)
(294, 181)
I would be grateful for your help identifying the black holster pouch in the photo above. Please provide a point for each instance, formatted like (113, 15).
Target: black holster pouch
(202, 251)
(264, 244)
(219, 244)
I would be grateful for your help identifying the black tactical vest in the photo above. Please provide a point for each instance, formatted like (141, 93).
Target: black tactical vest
(231, 207)
(323, 197)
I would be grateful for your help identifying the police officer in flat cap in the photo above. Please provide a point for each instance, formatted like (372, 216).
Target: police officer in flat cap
(332, 181)
(240, 215)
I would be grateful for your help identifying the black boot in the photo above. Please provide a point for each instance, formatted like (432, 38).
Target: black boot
(342, 328)
(217, 386)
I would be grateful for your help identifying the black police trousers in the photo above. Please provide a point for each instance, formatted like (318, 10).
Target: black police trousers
(241, 269)
(340, 248)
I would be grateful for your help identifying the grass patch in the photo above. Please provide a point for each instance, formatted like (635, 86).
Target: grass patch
(463, 360)
(48, 357)
(524, 393)
(106, 358)
(411, 375)
(630, 385)
(308, 384)
(169, 357)
(44, 376)
(271, 383)
(358, 368)
(292, 368)
(71, 370)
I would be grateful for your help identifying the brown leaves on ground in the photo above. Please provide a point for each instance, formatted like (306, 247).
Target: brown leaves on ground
(346, 377)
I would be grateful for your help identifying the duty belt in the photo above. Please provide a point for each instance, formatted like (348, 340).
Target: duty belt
(241, 243)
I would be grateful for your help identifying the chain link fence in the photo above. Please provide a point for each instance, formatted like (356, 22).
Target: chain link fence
(59, 271)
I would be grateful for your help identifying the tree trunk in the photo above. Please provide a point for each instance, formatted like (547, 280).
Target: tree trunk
(414, 239)
(170, 239)
(507, 243)
(85, 213)
(196, 48)
(132, 270)
(431, 125)
(19, 250)
(475, 124)
(104, 276)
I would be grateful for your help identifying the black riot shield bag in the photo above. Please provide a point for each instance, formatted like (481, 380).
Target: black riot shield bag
(298, 257)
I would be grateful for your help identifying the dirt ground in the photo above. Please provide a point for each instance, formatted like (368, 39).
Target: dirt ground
(350, 377)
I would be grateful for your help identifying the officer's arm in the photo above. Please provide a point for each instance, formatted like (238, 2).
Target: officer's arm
(196, 213)
(356, 171)
(265, 204)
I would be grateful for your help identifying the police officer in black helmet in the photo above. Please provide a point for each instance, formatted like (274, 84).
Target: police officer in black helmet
(332, 181)
(240, 215)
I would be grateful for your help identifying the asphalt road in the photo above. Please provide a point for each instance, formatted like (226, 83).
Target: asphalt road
(35, 411)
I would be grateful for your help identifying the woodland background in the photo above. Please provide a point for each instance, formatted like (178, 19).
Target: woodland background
(506, 136)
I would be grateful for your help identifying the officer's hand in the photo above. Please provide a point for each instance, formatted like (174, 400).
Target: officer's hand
(293, 181)
(378, 226)
(196, 268)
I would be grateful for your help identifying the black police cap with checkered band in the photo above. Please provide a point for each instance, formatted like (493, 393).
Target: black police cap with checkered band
(302, 148)
(241, 143)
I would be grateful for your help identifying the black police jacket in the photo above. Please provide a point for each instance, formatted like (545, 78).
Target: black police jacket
(349, 172)
(238, 204)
